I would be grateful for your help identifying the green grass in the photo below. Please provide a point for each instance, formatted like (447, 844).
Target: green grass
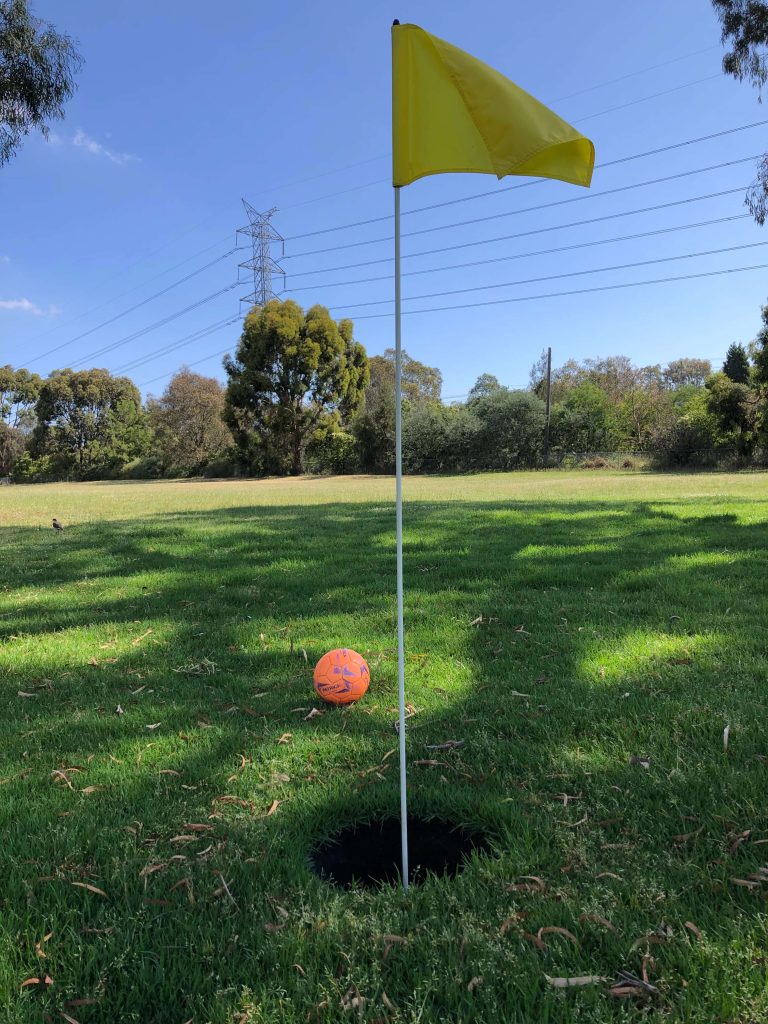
(631, 609)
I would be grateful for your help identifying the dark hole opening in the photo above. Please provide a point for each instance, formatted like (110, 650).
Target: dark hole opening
(369, 854)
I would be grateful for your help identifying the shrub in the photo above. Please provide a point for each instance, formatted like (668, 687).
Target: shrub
(331, 453)
(150, 467)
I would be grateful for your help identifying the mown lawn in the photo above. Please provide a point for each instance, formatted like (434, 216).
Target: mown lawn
(154, 863)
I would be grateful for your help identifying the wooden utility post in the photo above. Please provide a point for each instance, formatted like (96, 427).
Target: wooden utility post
(549, 406)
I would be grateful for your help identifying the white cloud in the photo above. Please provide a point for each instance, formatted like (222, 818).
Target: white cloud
(92, 146)
(25, 306)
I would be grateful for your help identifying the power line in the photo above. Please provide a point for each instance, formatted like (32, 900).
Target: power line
(173, 346)
(532, 231)
(634, 74)
(128, 291)
(446, 248)
(197, 362)
(526, 184)
(333, 195)
(577, 291)
(522, 298)
(644, 99)
(556, 277)
(532, 209)
(524, 255)
(138, 305)
(158, 323)
(373, 159)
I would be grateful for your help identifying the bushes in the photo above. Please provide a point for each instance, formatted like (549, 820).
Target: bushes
(150, 467)
(42, 470)
(331, 453)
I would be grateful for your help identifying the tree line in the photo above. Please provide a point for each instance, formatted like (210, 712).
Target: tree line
(302, 396)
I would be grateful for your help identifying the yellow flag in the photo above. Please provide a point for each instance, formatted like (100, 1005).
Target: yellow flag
(451, 112)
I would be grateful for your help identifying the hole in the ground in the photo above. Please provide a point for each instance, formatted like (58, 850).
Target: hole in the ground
(369, 854)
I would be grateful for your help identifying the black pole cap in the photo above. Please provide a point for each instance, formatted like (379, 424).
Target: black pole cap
(396, 22)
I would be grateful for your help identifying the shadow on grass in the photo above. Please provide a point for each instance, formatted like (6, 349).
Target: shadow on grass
(556, 640)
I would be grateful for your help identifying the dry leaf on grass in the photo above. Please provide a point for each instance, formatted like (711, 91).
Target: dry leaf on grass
(583, 979)
(573, 824)
(529, 883)
(39, 945)
(627, 984)
(23, 693)
(686, 837)
(314, 713)
(609, 874)
(726, 734)
(448, 745)
(555, 930)
(273, 807)
(352, 1000)
(429, 763)
(91, 789)
(90, 888)
(388, 1004)
(534, 939)
(506, 925)
(45, 981)
(475, 982)
(745, 883)
(238, 801)
(692, 928)
(653, 939)
(391, 941)
(741, 838)
(137, 640)
(286, 737)
(599, 920)
(66, 1016)
(62, 777)
(151, 869)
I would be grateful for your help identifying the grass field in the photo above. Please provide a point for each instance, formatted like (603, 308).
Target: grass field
(153, 864)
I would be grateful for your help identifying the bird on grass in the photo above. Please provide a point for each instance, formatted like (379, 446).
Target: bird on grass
(57, 525)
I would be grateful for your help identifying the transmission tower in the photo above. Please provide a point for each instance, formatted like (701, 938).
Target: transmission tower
(261, 263)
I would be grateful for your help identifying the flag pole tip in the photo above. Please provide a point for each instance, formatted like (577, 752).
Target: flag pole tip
(396, 22)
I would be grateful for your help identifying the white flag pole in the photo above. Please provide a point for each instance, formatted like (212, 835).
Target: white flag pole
(399, 519)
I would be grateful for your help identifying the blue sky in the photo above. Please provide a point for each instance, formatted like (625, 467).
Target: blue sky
(184, 108)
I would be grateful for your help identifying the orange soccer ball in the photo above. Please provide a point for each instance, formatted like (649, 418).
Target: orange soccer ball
(341, 676)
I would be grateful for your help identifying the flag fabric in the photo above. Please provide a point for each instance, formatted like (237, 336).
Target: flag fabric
(453, 113)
